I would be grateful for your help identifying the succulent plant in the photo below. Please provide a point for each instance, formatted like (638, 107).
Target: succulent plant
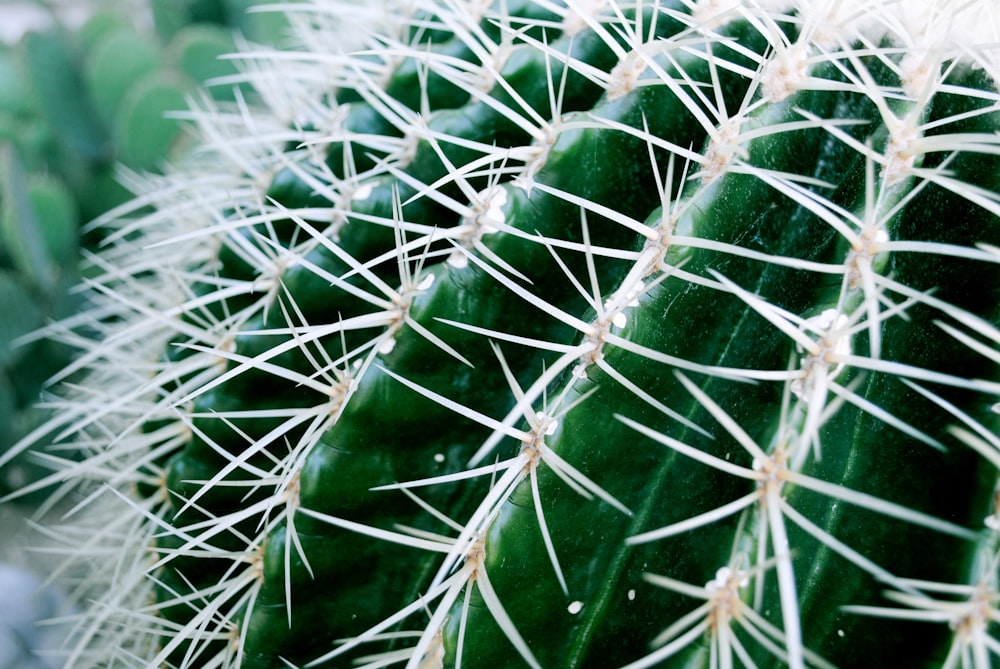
(78, 106)
(555, 334)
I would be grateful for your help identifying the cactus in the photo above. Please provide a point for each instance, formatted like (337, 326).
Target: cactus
(543, 334)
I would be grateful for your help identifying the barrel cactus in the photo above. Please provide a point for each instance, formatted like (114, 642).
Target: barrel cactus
(554, 334)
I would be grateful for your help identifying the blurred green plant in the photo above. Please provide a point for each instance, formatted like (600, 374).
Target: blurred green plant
(79, 107)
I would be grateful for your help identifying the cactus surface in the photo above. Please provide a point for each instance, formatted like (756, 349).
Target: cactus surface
(556, 334)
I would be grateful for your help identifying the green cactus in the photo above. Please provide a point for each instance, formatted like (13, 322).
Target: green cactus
(542, 334)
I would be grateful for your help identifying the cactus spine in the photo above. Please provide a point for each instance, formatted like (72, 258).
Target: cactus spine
(556, 335)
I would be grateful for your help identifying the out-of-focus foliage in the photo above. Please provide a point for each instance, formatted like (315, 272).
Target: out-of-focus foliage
(78, 105)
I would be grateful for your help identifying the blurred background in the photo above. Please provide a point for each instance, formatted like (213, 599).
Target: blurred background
(86, 91)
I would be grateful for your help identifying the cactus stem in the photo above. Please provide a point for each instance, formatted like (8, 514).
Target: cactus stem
(723, 607)
(469, 547)
(771, 473)
(969, 617)
(469, 345)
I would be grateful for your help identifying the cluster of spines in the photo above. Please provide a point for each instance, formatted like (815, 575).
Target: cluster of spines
(495, 285)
